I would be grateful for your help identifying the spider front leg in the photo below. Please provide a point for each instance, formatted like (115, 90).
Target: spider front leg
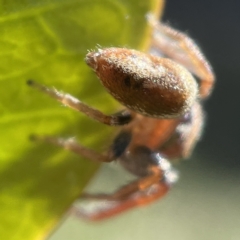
(181, 48)
(121, 118)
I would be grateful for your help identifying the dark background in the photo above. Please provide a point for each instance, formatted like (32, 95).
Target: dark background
(216, 27)
(205, 203)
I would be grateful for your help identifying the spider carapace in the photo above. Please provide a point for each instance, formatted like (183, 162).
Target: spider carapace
(162, 119)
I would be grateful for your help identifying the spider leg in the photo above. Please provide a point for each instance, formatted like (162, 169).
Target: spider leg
(137, 193)
(121, 118)
(186, 135)
(126, 191)
(73, 146)
(181, 48)
(143, 191)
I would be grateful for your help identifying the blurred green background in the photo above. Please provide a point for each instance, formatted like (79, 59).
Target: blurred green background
(205, 203)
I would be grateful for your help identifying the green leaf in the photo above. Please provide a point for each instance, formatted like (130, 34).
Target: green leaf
(47, 40)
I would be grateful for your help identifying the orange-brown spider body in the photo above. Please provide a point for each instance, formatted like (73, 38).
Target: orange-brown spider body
(146, 84)
(162, 119)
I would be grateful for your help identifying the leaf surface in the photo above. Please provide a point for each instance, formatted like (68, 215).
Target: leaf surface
(47, 40)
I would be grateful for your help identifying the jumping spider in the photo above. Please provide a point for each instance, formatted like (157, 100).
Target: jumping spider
(162, 119)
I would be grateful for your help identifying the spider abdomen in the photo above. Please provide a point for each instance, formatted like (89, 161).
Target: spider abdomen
(149, 85)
